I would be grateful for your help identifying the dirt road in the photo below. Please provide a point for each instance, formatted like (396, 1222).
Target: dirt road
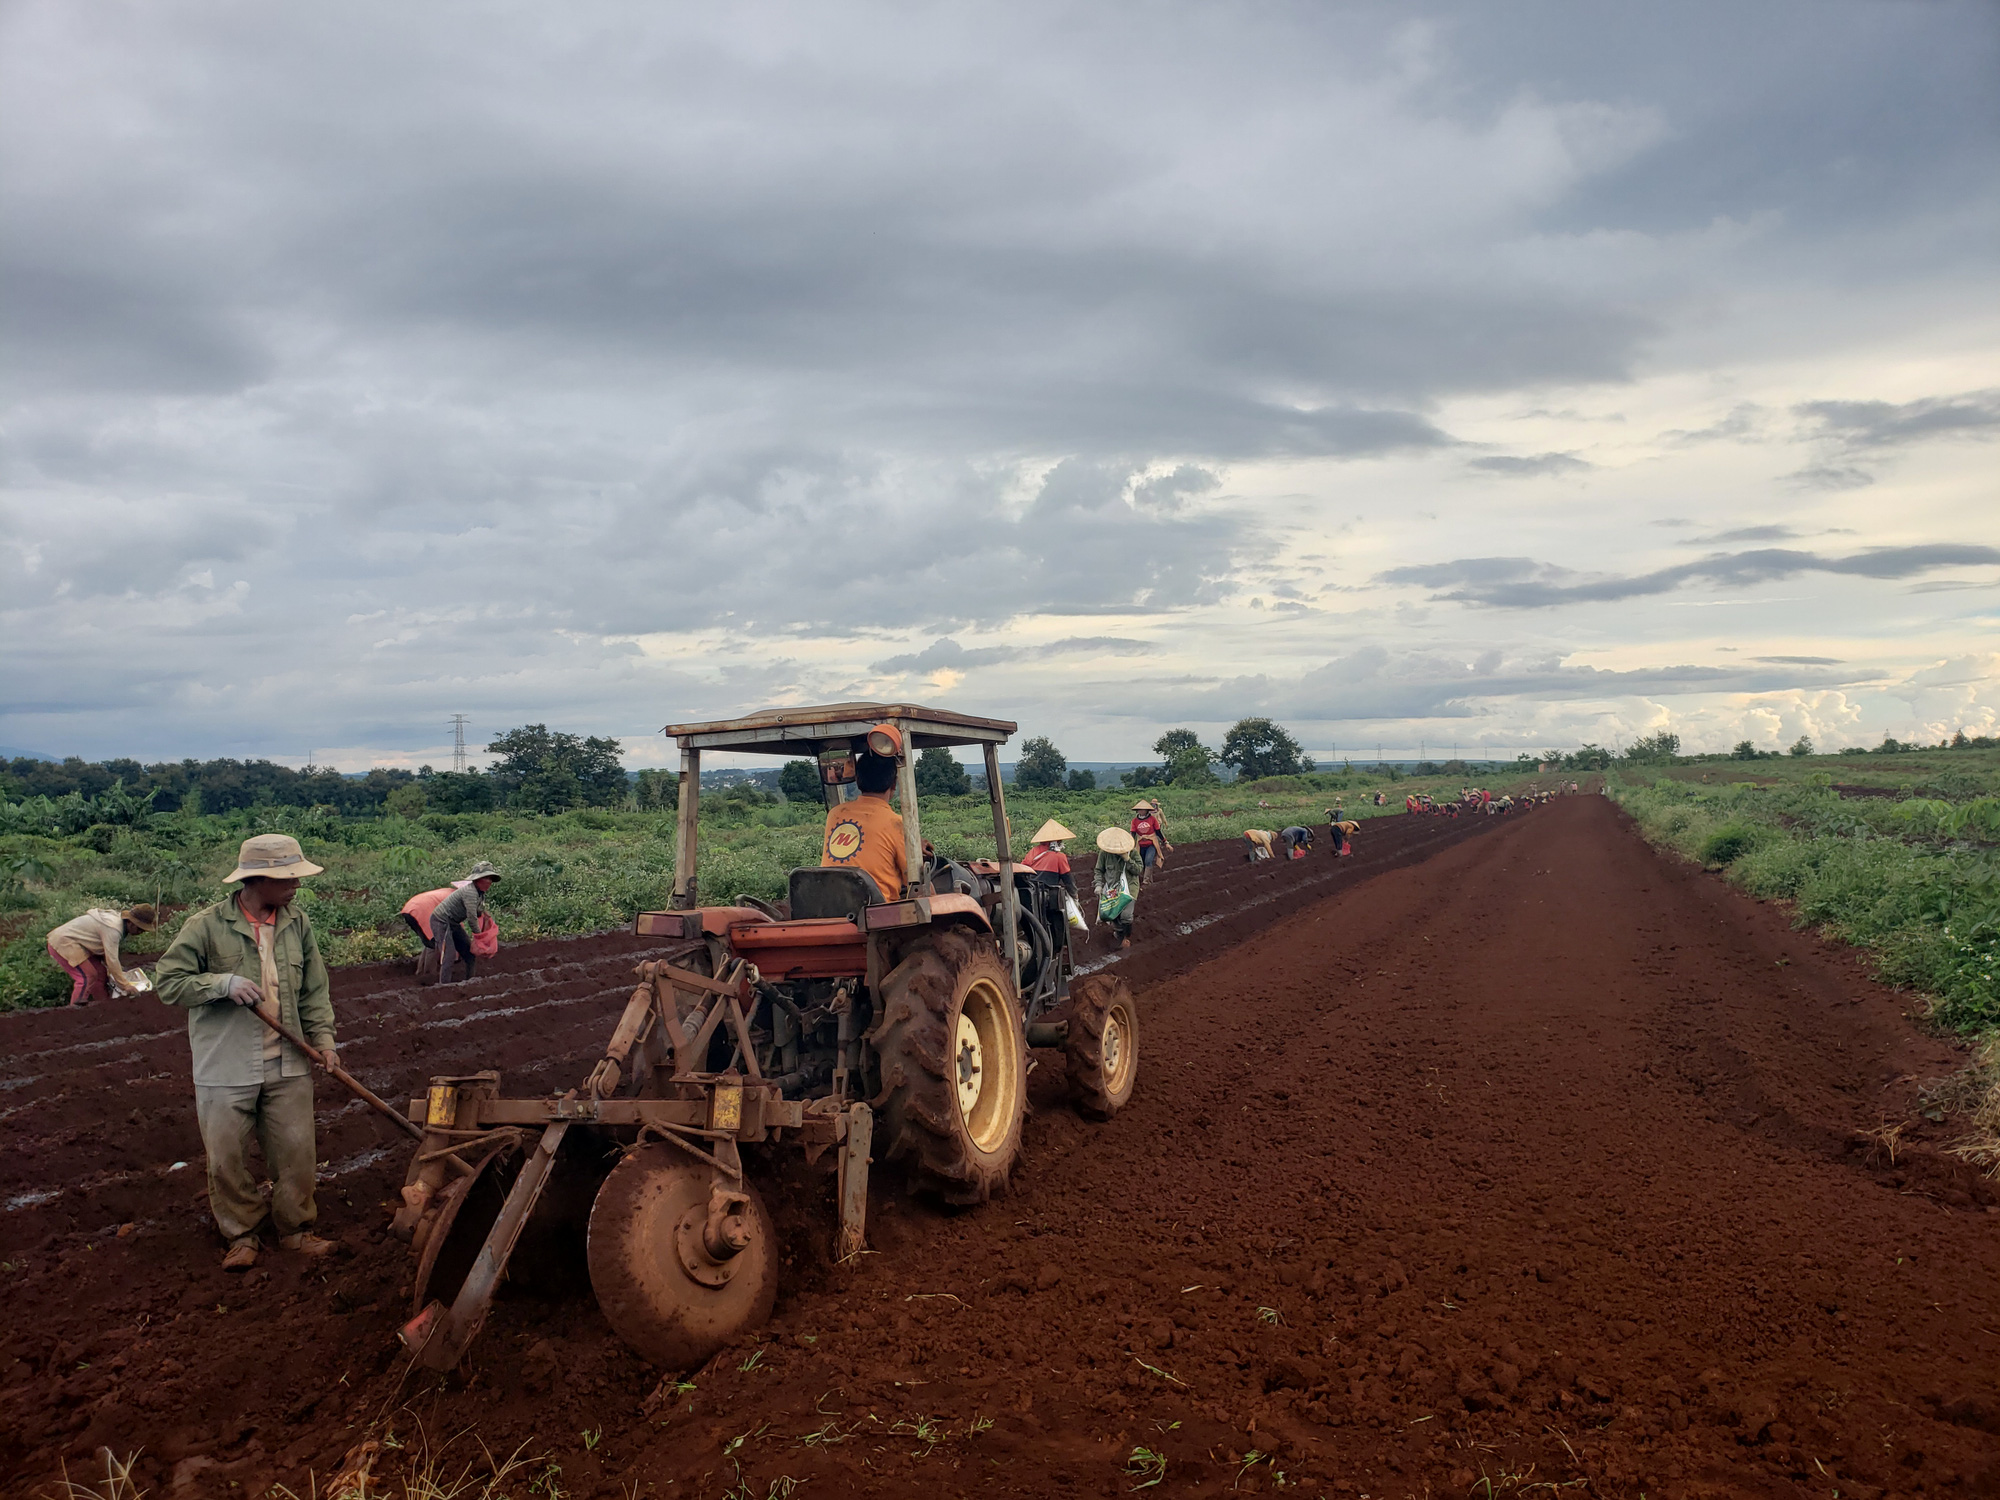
(1535, 1161)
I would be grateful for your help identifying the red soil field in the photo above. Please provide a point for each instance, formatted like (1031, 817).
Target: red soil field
(1508, 1154)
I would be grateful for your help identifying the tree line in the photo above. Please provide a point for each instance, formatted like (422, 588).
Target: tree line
(538, 771)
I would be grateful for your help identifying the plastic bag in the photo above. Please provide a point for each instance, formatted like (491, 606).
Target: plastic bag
(1074, 913)
(485, 936)
(1116, 907)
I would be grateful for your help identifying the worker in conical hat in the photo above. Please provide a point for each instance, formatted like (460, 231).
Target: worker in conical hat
(1045, 855)
(1149, 832)
(1045, 851)
(1118, 868)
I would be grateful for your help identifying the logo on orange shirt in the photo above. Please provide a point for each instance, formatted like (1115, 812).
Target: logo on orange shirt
(843, 842)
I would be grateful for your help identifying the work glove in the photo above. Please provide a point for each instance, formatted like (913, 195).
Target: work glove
(243, 992)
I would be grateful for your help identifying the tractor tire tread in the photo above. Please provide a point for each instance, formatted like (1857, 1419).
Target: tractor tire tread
(919, 1121)
(1090, 1002)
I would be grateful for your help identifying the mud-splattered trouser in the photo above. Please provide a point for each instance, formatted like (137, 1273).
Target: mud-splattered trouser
(278, 1114)
(450, 940)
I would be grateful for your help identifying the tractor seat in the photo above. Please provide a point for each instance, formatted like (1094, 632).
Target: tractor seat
(819, 891)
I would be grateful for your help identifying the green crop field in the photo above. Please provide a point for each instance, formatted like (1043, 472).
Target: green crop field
(574, 872)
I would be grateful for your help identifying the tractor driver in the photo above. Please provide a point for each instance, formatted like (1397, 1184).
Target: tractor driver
(866, 834)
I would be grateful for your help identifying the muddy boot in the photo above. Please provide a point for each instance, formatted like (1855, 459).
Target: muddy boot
(308, 1244)
(241, 1257)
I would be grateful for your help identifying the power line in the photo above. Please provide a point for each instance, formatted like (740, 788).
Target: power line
(458, 742)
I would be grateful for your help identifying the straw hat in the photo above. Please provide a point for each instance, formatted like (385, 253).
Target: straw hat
(272, 856)
(1051, 832)
(145, 917)
(1116, 841)
(483, 871)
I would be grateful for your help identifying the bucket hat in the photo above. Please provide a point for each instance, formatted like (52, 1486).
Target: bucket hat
(273, 856)
(483, 871)
(145, 917)
(1116, 841)
(1051, 832)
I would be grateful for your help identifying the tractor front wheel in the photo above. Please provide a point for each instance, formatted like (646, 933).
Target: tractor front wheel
(1101, 1051)
(954, 1067)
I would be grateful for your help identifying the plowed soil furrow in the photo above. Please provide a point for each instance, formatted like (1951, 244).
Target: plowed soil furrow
(1534, 1162)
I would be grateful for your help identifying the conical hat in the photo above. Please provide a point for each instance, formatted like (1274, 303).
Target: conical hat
(1116, 841)
(1051, 832)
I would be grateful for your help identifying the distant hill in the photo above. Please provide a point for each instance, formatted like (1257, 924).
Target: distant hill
(14, 752)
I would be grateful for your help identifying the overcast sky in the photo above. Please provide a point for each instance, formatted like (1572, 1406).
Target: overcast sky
(1496, 377)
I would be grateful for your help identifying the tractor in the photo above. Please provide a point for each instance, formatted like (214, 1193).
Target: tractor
(875, 1025)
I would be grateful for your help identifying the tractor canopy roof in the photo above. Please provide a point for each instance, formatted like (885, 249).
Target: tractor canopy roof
(801, 731)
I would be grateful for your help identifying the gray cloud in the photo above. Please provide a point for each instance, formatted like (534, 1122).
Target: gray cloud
(1833, 477)
(1883, 424)
(418, 356)
(1744, 534)
(1522, 583)
(1532, 465)
(947, 654)
(1743, 421)
(1375, 683)
(1854, 434)
(1799, 661)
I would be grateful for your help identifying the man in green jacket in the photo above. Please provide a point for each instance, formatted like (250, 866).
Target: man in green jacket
(255, 950)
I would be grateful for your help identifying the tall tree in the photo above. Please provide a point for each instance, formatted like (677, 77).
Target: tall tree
(654, 789)
(799, 781)
(940, 775)
(1041, 764)
(544, 772)
(1258, 747)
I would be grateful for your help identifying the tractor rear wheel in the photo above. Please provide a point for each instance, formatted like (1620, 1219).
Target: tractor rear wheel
(1102, 1048)
(954, 1067)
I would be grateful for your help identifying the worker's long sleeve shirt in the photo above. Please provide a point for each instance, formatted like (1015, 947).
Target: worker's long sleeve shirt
(216, 945)
(1111, 868)
(462, 907)
(95, 934)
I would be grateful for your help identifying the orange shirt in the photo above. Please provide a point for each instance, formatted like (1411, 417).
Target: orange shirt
(867, 835)
(1046, 858)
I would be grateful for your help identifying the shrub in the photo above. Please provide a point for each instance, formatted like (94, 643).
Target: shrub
(1729, 843)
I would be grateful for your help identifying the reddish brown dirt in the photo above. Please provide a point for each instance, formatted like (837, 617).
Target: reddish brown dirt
(1537, 1162)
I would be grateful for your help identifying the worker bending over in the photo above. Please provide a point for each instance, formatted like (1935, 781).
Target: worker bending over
(86, 949)
(256, 949)
(1298, 841)
(454, 916)
(1259, 840)
(866, 834)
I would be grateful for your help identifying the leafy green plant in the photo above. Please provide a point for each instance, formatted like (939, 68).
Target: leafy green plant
(1729, 843)
(1146, 1468)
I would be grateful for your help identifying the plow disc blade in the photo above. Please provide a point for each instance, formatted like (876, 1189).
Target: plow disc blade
(471, 1204)
(661, 1288)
